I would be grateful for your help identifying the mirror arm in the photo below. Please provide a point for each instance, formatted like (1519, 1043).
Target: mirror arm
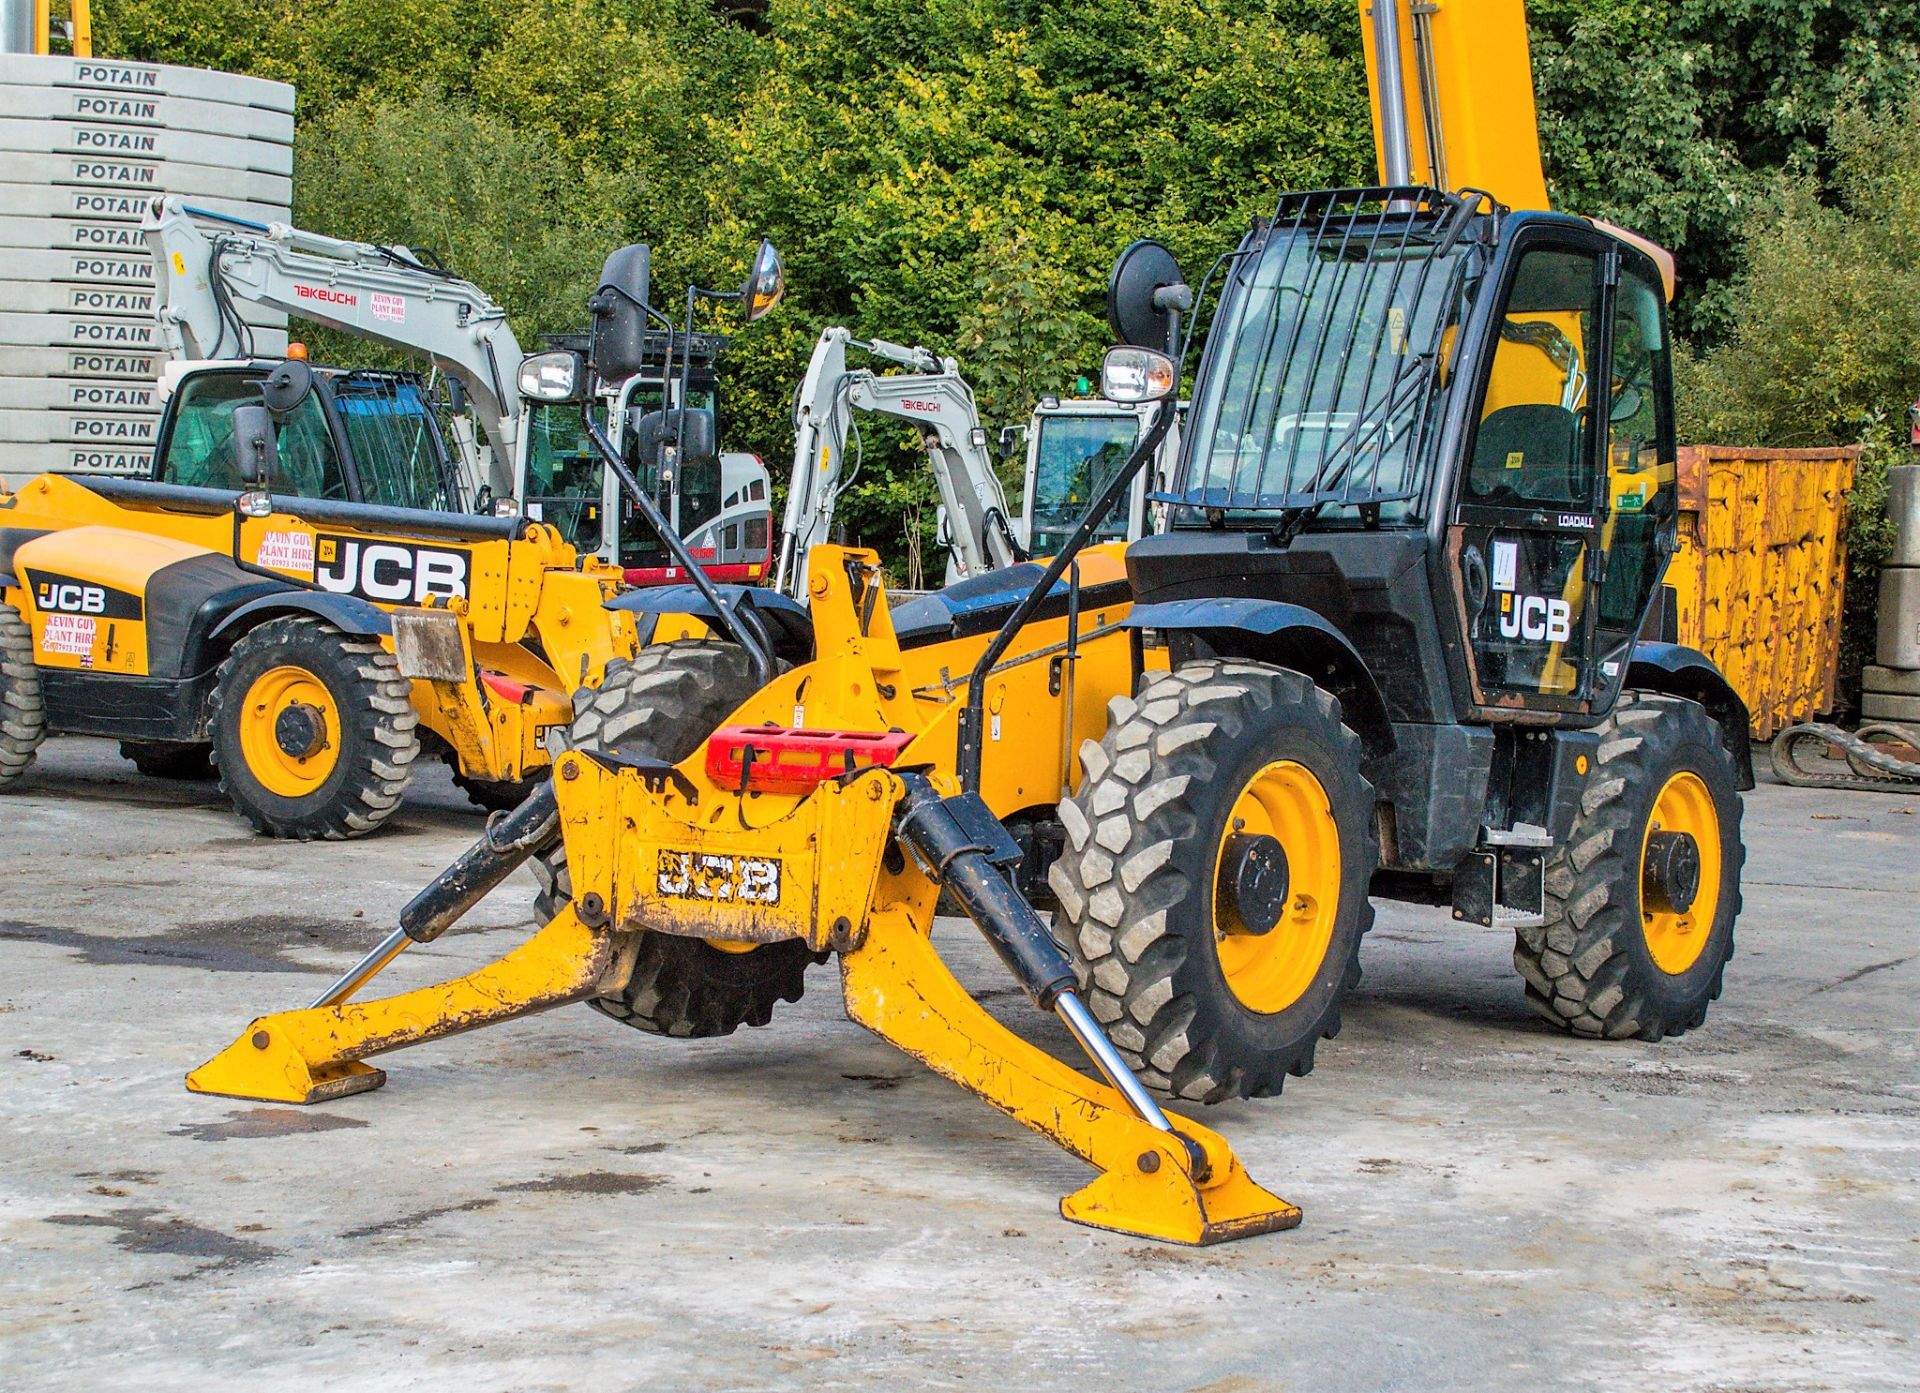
(758, 654)
(972, 715)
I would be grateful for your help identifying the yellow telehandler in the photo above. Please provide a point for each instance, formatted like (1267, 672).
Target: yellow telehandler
(1386, 642)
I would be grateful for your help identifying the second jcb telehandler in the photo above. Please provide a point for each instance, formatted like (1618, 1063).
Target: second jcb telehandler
(309, 648)
(1388, 644)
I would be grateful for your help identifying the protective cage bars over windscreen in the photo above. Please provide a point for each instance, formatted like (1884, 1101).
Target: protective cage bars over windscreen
(1329, 339)
(399, 441)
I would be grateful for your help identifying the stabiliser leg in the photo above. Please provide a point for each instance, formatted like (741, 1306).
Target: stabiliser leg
(314, 1055)
(1161, 1177)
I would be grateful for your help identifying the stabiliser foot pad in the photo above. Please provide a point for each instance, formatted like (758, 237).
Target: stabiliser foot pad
(263, 1066)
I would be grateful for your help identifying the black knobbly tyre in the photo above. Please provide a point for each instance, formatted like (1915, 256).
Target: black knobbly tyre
(494, 795)
(23, 712)
(314, 731)
(1641, 901)
(663, 703)
(1213, 889)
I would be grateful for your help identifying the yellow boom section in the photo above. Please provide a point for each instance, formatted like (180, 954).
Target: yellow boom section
(1468, 80)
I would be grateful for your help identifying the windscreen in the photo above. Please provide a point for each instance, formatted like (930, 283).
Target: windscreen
(1074, 458)
(564, 476)
(395, 437)
(1318, 390)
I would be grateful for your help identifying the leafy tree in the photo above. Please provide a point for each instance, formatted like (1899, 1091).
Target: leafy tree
(1824, 344)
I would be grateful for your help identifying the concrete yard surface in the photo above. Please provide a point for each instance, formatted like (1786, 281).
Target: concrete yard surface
(563, 1203)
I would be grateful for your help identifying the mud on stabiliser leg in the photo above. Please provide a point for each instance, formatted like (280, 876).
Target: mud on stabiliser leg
(313, 1055)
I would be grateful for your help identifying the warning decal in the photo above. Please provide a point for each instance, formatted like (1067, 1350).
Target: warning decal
(287, 551)
(71, 634)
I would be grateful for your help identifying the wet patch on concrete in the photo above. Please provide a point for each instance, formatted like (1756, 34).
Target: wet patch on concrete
(586, 1183)
(878, 1082)
(644, 1149)
(35, 1056)
(404, 1222)
(144, 1231)
(245, 1124)
(256, 943)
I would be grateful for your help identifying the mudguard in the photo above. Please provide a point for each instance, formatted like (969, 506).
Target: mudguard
(786, 621)
(1288, 635)
(1674, 669)
(348, 613)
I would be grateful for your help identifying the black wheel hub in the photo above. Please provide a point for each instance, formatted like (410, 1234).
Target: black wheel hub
(299, 730)
(1670, 879)
(1254, 883)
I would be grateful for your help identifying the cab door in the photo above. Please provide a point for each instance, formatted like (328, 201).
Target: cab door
(1525, 543)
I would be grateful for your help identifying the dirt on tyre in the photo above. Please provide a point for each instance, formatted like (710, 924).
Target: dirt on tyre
(314, 731)
(1213, 888)
(170, 759)
(1642, 899)
(23, 711)
(663, 703)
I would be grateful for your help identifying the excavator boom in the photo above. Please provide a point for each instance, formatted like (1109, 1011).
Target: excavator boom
(386, 294)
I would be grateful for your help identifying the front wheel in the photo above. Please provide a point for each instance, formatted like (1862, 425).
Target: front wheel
(314, 732)
(1641, 901)
(1214, 885)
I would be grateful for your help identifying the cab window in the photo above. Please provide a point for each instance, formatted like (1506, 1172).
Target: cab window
(1641, 499)
(1075, 458)
(200, 444)
(1532, 446)
(563, 472)
(395, 437)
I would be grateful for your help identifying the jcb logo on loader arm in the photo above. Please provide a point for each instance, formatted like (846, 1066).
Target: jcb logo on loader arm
(390, 572)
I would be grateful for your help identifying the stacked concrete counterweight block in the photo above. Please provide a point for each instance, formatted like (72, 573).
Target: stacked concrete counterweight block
(1892, 685)
(85, 144)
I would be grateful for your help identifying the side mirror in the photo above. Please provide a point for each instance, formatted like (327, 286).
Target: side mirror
(766, 282)
(1131, 375)
(619, 309)
(1010, 441)
(655, 433)
(557, 376)
(283, 389)
(256, 456)
(1146, 294)
(1626, 404)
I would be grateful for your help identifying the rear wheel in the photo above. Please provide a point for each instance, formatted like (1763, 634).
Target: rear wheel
(663, 703)
(23, 714)
(314, 732)
(170, 759)
(1214, 883)
(1642, 899)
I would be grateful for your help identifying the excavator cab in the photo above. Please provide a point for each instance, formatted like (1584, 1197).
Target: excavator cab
(361, 436)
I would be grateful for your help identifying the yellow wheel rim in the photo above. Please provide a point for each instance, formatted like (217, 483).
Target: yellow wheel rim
(1269, 972)
(283, 772)
(1676, 938)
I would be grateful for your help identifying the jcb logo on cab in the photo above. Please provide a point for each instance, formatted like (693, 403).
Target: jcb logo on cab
(1536, 618)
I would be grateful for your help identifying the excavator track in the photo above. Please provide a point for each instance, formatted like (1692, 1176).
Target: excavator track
(1874, 768)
